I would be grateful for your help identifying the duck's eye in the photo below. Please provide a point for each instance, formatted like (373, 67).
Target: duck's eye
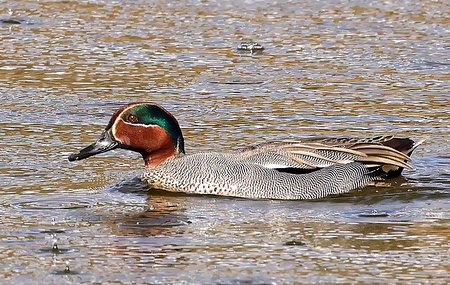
(132, 119)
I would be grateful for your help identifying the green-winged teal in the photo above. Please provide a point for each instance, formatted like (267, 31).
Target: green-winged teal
(308, 168)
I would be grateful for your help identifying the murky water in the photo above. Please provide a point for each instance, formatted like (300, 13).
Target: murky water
(329, 68)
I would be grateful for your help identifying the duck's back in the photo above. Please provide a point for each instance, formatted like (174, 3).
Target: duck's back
(228, 174)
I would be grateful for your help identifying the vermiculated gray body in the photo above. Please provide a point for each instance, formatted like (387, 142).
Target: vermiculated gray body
(229, 174)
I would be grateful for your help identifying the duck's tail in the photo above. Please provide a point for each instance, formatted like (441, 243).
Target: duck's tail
(404, 145)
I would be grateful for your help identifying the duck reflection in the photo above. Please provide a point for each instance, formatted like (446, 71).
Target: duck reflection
(162, 215)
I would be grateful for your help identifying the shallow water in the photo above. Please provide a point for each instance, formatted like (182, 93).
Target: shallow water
(338, 68)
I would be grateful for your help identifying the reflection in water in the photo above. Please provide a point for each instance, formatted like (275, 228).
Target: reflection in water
(328, 69)
(159, 217)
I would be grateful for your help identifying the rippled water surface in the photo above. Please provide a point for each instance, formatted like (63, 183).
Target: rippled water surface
(329, 68)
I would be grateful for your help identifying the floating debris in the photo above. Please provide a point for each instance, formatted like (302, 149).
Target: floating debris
(11, 21)
(295, 243)
(250, 47)
(52, 231)
(373, 214)
(67, 269)
(55, 248)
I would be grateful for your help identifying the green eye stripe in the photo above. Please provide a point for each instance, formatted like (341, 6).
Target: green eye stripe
(151, 115)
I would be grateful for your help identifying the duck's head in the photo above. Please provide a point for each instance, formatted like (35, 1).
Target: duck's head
(142, 127)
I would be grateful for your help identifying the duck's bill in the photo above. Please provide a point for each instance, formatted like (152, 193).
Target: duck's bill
(103, 144)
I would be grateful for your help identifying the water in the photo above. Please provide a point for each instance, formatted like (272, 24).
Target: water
(355, 68)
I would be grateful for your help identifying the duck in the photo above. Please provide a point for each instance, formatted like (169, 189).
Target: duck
(299, 169)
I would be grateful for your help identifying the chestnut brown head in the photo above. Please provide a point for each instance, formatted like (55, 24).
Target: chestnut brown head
(142, 127)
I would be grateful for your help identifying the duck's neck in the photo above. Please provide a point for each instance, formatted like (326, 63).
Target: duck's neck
(155, 158)
(163, 147)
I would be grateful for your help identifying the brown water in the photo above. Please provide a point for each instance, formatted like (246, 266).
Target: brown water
(329, 68)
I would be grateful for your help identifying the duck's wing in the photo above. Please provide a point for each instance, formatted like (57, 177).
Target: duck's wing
(404, 145)
(315, 153)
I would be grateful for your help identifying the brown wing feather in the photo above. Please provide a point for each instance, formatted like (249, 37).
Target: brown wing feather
(312, 153)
